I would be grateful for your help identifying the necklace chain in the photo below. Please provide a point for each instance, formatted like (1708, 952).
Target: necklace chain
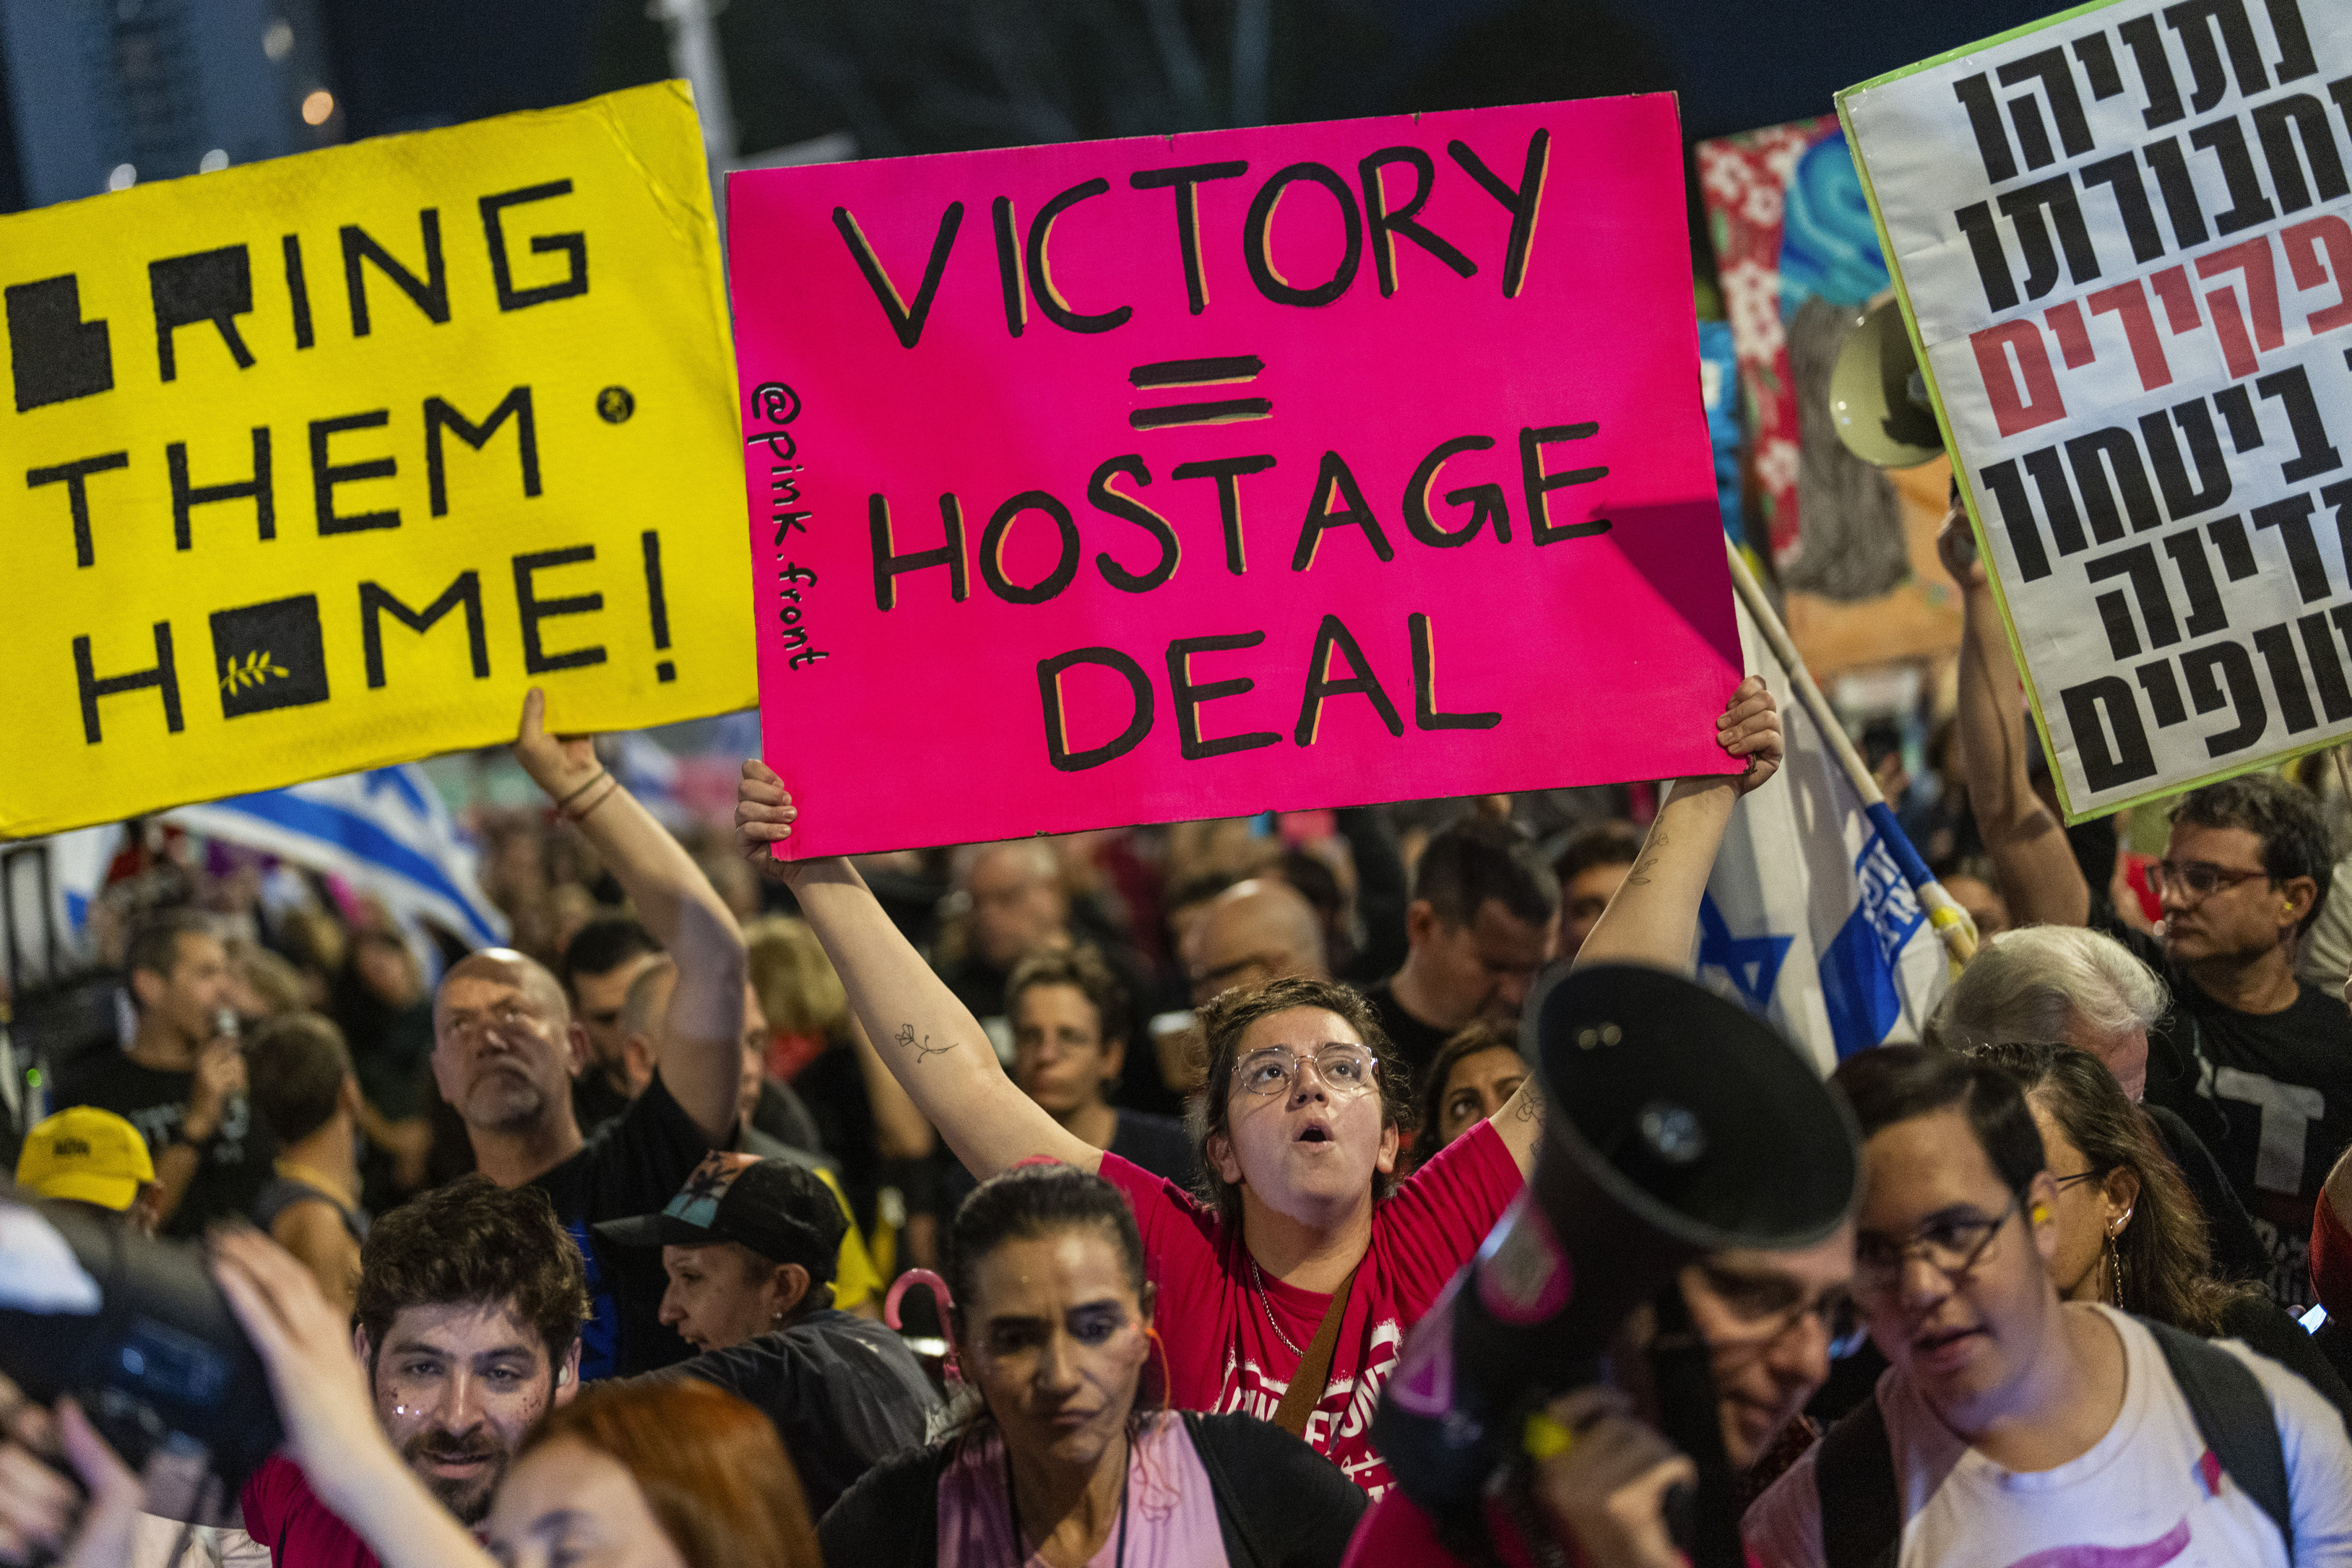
(1263, 1301)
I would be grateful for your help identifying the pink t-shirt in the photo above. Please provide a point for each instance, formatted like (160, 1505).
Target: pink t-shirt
(1222, 1354)
(1171, 1514)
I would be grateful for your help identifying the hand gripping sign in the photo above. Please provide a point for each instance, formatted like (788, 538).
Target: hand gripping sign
(317, 464)
(1132, 481)
(2123, 239)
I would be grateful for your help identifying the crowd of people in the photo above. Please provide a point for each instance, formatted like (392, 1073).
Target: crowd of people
(583, 1250)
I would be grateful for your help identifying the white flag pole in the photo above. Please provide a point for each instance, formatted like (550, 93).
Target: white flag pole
(1951, 922)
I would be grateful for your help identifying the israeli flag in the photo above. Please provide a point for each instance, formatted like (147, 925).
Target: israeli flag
(1812, 913)
(385, 831)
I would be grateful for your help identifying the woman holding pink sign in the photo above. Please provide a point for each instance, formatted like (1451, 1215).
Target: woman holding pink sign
(1290, 1289)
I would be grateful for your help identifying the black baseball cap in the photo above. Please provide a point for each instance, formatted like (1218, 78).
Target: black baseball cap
(782, 1212)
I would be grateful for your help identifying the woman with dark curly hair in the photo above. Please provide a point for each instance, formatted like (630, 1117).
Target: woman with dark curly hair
(2129, 1234)
(1066, 1462)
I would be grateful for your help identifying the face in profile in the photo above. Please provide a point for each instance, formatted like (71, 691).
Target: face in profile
(1484, 969)
(456, 1386)
(1053, 1336)
(568, 1505)
(724, 1293)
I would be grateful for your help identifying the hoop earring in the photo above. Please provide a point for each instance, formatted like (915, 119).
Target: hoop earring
(2115, 1268)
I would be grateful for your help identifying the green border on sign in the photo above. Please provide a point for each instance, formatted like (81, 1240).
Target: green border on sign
(1967, 490)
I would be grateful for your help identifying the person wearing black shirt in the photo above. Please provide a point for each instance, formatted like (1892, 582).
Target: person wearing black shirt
(1481, 921)
(749, 1247)
(181, 1081)
(506, 1050)
(2256, 1062)
(599, 965)
(1070, 1018)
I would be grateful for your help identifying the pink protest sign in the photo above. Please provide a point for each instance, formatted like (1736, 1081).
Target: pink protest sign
(1136, 481)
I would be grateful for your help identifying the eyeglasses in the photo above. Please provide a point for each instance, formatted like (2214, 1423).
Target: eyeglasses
(1763, 1323)
(2062, 1183)
(1952, 1245)
(2197, 877)
(1346, 1071)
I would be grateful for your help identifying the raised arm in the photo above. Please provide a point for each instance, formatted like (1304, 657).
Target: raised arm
(1653, 917)
(900, 1133)
(929, 1041)
(699, 1047)
(2038, 873)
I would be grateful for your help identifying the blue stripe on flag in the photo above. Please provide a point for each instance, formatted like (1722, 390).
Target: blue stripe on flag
(363, 838)
(1858, 987)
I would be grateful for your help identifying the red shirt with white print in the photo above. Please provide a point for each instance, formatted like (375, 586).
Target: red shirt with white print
(1224, 1352)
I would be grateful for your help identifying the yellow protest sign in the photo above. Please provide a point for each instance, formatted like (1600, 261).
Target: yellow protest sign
(318, 465)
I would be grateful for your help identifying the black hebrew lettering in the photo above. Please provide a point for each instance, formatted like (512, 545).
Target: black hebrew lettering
(992, 550)
(1228, 472)
(215, 285)
(2138, 565)
(1103, 498)
(1333, 485)
(297, 290)
(2206, 615)
(1057, 309)
(2195, 21)
(1049, 693)
(2336, 497)
(2326, 670)
(1520, 202)
(2291, 519)
(906, 321)
(1188, 697)
(431, 296)
(2163, 693)
(269, 656)
(1992, 258)
(2057, 78)
(2276, 645)
(889, 565)
(1538, 485)
(1425, 712)
(2237, 406)
(54, 354)
(2106, 463)
(440, 416)
(2206, 669)
(75, 477)
(1485, 500)
(326, 475)
(1975, 94)
(1333, 641)
(2023, 207)
(1381, 221)
(2099, 65)
(2226, 140)
(2057, 500)
(2314, 453)
(2228, 536)
(534, 609)
(2017, 519)
(1186, 182)
(2181, 208)
(2278, 126)
(1012, 278)
(2294, 60)
(2106, 767)
(2146, 44)
(2121, 175)
(2182, 499)
(164, 675)
(187, 496)
(572, 245)
(1257, 241)
(377, 601)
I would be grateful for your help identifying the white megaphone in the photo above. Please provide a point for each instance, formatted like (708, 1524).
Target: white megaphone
(1878, 398)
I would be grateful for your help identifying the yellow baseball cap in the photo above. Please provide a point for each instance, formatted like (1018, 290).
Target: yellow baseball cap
(86, 1153)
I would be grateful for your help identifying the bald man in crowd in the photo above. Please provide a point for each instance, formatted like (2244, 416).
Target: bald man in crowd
(505, 1050)
(1253, 932)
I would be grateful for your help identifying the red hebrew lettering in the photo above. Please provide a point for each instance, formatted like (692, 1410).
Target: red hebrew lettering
(2073, 337)
(2251, 259)
(2172, 287)
(2041, 403)
(2129, 300)
(2303, 243)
